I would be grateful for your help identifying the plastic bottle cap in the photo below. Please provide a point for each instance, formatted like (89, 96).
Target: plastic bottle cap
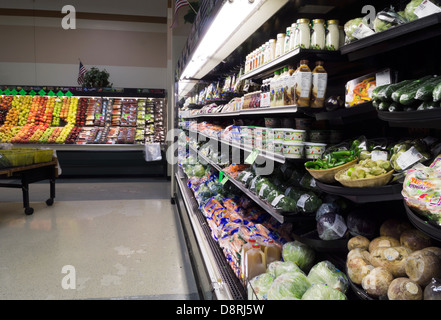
(252, 240)
(256, 246)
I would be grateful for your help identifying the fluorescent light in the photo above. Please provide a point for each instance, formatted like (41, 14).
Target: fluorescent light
(229, 18)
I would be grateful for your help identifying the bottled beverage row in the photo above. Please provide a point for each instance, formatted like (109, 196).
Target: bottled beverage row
(300, 87)
(316, 34)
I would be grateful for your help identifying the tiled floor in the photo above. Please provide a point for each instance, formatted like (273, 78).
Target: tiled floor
(118, 238)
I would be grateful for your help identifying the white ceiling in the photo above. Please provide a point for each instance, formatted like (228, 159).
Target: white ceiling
(156, 8)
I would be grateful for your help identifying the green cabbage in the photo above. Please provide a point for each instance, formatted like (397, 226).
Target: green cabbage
(350, 27)
(326, 273)
(410, 8)
(277, 268)
(259, 286)
(320, 291)
(299, 253)
(380, 25)
(290, 285)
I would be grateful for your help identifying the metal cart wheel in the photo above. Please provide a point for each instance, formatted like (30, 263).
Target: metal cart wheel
(29, 211)
(50, 201)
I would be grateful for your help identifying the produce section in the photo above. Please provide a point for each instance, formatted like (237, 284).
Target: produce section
(327, 201)
(51, 120)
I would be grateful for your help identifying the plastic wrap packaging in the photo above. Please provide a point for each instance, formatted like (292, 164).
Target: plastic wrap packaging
(331, 226)
(299, 253)
(288, 286)
(320, 291)
(278, 268)
(258, 287)
(433, 290)
(326, 273)
(422, 191)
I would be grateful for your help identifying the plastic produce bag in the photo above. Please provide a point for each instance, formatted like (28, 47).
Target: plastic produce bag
(288, 286)
(388, 18)
(331, 226)
(277, 268)
(357, 28)
(320, 291)
(326, 273)
(422, 191)
(152, 152)
(299, 253)
(409, 11)
(259, 286)
(433, 290)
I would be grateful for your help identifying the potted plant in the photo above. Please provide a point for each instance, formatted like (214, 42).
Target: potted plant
(94, 78)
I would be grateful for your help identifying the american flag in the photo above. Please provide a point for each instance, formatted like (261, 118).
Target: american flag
(179, 4)
(81, 72)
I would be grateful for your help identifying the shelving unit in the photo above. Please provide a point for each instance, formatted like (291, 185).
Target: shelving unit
(262, 153)
(291, 57)
(376, 50)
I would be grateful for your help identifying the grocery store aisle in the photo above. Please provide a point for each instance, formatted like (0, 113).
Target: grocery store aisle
(117, 238)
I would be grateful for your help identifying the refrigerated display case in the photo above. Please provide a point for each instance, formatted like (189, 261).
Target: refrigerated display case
(95, 131)
(212, 124)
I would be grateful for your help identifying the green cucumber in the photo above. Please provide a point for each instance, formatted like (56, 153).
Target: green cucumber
(408, 96)
(376, 103)
(386, 94)
(432, 105)
(425, 92)
(378, 90)
(396, 95)
(384, 106)
(436, 94)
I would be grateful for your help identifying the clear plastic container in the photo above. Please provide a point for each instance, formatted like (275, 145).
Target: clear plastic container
(245, 248)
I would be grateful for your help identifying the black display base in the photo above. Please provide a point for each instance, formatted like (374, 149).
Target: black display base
(109, 163)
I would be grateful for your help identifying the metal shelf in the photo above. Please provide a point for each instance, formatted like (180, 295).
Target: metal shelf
(247, 112)
(262, 153)
(225, 284)
(298, 54)
(263, 204)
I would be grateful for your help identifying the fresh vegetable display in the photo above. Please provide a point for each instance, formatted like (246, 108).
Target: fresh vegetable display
(422, 190)
(397, 264)
(384, 20)
(408, 95)
(367, 169)
(335, 158)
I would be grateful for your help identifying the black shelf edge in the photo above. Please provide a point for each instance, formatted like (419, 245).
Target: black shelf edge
(364, 195)
(424, 225)
(416, 119)
(346, 115)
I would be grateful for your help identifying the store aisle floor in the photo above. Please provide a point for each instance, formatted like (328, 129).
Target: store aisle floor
(119, 238)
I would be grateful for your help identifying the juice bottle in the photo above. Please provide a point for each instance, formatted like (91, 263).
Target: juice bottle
(245, 248)
(282, 81)
(273, 87)
(255, 263)
(304, 83)
(272, 252)
(319, 84)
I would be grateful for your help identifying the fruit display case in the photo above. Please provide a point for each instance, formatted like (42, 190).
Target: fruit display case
(94, 122)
